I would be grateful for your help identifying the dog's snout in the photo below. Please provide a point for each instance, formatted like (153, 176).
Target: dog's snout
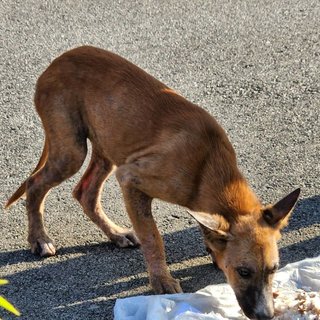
(265, 315)
(260, 316)
(257, 304)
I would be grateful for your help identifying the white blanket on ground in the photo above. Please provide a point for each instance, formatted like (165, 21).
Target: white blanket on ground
(215, 301)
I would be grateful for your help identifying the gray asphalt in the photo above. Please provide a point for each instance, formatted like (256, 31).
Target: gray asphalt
(254, 65)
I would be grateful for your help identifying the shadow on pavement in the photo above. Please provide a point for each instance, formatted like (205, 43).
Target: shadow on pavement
(85, 283)
(299, 251)
(306, 213)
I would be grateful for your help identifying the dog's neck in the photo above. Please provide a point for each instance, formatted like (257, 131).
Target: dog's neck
(228, 194)
(237, 198)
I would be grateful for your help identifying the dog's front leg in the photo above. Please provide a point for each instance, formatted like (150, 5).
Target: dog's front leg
(138, 205)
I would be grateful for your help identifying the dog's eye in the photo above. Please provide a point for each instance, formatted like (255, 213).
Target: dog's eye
(244, 273)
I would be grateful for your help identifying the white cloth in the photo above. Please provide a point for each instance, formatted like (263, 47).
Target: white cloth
(214, 302)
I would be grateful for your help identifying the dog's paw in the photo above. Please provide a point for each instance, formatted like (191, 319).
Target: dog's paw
(43, 248)
(125, 238)
(165, 284)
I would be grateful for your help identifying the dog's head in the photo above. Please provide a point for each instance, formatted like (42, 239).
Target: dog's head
(245, 249)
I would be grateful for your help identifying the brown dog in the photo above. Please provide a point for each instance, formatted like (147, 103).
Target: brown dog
(163, 147)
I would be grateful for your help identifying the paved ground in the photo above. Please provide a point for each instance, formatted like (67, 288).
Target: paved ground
(255, 65)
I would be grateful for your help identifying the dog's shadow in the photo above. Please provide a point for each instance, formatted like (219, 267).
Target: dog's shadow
(85, 284)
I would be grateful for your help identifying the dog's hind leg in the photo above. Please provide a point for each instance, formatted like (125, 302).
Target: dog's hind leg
(88, 193)
(67, 149)
(58, 168)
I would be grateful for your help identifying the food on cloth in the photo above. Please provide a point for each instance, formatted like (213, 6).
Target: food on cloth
(297, 304)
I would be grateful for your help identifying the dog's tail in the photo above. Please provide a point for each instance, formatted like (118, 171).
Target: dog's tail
(22, 189)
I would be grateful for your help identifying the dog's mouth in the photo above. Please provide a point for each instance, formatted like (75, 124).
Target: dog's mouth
(264, 315)
(256, 308)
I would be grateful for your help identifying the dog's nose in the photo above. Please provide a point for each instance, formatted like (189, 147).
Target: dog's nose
(263, 315)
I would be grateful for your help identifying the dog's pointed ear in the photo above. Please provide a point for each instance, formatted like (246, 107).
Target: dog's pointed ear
(278, 214)
(213, 222)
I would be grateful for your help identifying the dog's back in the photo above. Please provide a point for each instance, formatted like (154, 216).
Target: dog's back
(118, 106)
(126, 113)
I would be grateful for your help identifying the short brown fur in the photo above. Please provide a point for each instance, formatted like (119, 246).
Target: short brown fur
(163, 146)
